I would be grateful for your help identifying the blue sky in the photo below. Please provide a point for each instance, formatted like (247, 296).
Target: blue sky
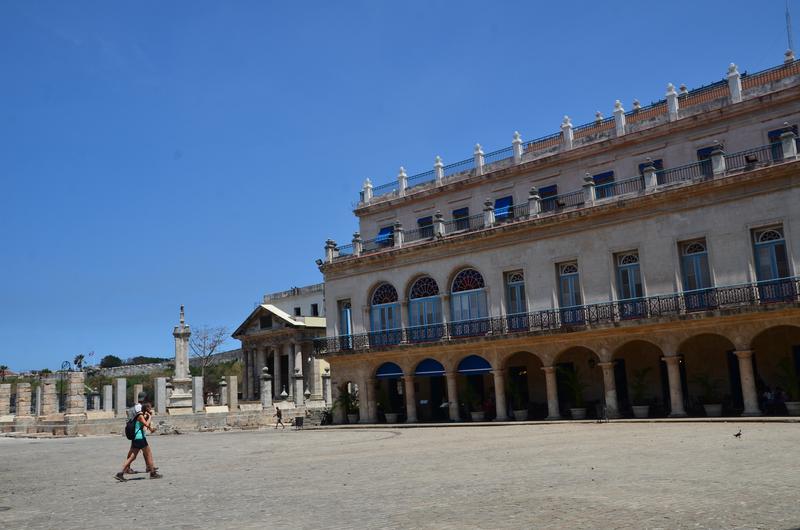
(155, 154)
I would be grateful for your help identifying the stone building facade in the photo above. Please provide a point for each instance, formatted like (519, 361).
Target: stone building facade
(643, 263)
(277, 339)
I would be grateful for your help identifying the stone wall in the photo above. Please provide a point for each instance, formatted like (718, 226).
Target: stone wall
(144, 369)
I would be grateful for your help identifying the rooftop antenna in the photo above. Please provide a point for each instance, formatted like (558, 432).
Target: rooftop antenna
(789, 27)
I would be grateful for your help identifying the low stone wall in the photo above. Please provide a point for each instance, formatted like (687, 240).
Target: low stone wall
(129, 370)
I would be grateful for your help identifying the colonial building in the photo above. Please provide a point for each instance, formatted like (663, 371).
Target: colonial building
(644, 259)
(277, 335)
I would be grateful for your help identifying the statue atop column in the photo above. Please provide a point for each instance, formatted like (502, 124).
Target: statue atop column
(181, 396)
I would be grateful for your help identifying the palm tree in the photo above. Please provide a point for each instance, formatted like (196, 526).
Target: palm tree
(3, 370)
(78, 361)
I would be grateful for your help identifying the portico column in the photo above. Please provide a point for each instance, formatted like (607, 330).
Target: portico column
(610, 387)
(244, 373)
(552, 393)
(363, 397)
(290, 363)
(411, 399)
(276, 370)
(452, 396)
(248, 375)
(675, 388)
(372, 404)
(500, 395)
(749, 395)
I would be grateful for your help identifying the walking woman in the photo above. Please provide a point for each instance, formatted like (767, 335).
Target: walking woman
(139, 443)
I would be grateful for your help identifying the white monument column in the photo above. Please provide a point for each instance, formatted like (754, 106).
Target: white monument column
(181, 382)
(552, 393)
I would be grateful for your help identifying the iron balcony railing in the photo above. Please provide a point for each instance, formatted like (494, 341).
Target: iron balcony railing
(760, 156)
(568, 319)
(690, 172)
(620, 187)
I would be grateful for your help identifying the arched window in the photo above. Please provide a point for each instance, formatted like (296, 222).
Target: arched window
(694, 247)
(385, 293)
(771, 257)
(384, 310)
(424, 310)
(468, 296)
(694, 266)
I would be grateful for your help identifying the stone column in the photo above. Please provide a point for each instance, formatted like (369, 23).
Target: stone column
(120, 398)
(789, 143)
(372, 404)
(23, 419)
(39, 392)
(411, 399)
(500, 395)
(233, 393)
(290, 363)
(197, 394)
(136, 390)
(589, 195)
(552, 393)
(299, 399)
(108, 398)
(452, 396)
(49, 397)
(718, 161)
(276, 370)
(263, 353)
(326, 388)
(160, 397)
(223, 392)
(610, 387)
(675, 388)
(76, 403)
(266, 389)
(566, 134)
(748, 380)
(5, 399)
(672, 102)
(95, 400)
(363, 405)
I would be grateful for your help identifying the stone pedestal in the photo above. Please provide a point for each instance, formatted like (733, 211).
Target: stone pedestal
(197, 394)
(108, 398)
(326, 388)
(120, 397)
(161, 395)
(299, 400)
(23, 420)
(181, 396)
(233, 393)
(266, 389)
(76, 402)
(49, 397)
(5, 399)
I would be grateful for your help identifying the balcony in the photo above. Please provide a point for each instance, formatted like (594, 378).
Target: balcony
(572, 319)
(719, 165)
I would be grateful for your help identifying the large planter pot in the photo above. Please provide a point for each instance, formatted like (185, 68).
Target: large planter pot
(793, 408)
(477, 416)
(641, 411)
(713, 411)
(352, 418)
(578, 413)
(391, 417)
(520, 415)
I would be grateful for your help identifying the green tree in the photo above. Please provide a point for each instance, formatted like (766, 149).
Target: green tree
(3, 370)
(110, 361)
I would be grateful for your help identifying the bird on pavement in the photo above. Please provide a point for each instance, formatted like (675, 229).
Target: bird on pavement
(738, 434)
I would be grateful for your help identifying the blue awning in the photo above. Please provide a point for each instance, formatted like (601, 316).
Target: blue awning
(389, 370)
(473, 365)
(429, 367)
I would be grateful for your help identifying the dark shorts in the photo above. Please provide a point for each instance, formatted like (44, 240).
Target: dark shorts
(139, 444)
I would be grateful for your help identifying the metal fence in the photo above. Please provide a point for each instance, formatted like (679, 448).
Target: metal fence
(751, 158)
(783, 290)
(695, 171)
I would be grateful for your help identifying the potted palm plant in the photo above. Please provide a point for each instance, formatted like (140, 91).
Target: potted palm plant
(791, 380)
(576, 385)
(638, 388)
(473, 403)
(518, 408)
(709, 394)
(348, 401)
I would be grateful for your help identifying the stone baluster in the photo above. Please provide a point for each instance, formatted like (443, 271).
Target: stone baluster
(672, 102)
(619, 118)
(402, 182)
(789, 143)
(438, 170)
(650, 175)
(488, 213)
(534, 202)
(567, 135)
(734, 84)
(516, 146)
(588, 190)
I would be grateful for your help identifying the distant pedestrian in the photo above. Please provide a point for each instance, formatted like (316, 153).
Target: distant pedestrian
(131, 413)
(139, 443)
(279, 416)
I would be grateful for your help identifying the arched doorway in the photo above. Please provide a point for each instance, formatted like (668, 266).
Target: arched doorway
(710, 376)
(431, 391)
(776, 356)
(389, 387)
(476, 388)
(579, 380)
(527, 388)
(641, 378)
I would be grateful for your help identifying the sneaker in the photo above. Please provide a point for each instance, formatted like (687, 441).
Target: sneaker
(119, 476)
(155, 474)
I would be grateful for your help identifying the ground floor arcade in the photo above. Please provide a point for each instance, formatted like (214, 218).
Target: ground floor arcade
(735, 365)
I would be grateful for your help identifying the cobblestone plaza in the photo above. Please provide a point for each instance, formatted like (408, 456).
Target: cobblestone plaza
(587, 475)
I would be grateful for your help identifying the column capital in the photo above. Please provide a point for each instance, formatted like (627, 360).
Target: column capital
(608, 364)
(549, 369)
(671, 359)
(743, 354)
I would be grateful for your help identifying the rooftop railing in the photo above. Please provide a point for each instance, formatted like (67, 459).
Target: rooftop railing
(690, 172)
(698, 96)
(576, 318)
